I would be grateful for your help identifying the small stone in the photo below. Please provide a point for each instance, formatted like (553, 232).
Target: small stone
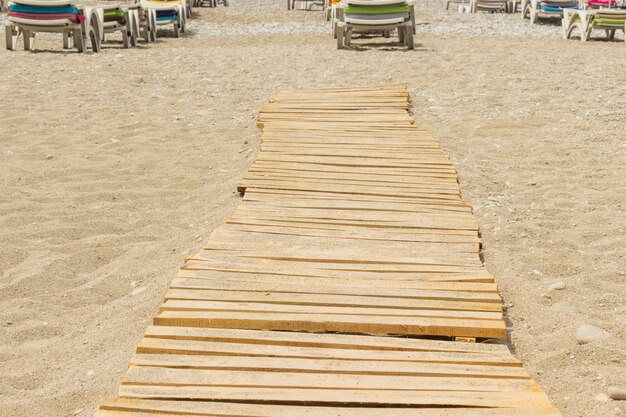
(133, 284)
(536, 272)
(119, 56)
(588, 333)
(544, 295)
(90, 372)
(523, 234)
(560, 285)
(532, 183)
(138, 290)
(49, 157)
(77, 412)
(617, 393)
(601, 398)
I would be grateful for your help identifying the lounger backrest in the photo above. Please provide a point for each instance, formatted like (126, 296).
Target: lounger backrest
(619, 15)
(43, 12)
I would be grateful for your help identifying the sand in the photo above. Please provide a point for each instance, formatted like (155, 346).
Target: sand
(115, 166)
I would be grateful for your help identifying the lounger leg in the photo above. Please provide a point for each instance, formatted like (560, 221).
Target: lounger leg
(177, 27)
(11, 36)
(610, 34)
(135, 29)
(340, 36)
(79, 40)
(585, 34)
(347, 38)
(93, 33)
(152, 27)
(401, 35)
(26, 35)
(410, 41)
(125, 38)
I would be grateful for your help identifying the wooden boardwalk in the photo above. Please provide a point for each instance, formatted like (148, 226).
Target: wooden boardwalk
(351, 236)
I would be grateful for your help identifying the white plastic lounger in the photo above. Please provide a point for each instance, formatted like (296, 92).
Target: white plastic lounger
(463, 5)
(304, 4)
(363, 16)
(174, 11)
(491, 6)
(25, 20)
(609, 20)
(128, 25)
(535, 9)
(211, 3)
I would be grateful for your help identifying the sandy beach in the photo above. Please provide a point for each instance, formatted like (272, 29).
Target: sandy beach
(115, 166)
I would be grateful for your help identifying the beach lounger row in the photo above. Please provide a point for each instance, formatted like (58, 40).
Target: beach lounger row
(82, 24)
(580, 17)
(373, 16)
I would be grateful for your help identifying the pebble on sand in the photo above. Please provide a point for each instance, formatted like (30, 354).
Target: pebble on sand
(617, 393)
(601, 398)
(138, 290)
(560, 285)
(49, 157)
(588, 333)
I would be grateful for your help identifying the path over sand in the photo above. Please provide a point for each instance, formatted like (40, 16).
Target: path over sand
(352, 223)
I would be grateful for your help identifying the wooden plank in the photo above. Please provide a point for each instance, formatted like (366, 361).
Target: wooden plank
(455, 243)
(321, 323)
(360, 397)
(253, 282)
(268, 295)
(472, 353)
(181, 342)
(319, 381)
(396, 279)
(133, 407)
(292, 307)
(328, 366)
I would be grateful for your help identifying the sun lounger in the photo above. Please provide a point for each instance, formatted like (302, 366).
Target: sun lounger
(609, 20)
(597, 4)
(535, 9)
(163, 13)
(120, 18)
(304, 4)
(211, 3)
(382, 16)
(490, 6)
(27, 17)
(463, 5)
